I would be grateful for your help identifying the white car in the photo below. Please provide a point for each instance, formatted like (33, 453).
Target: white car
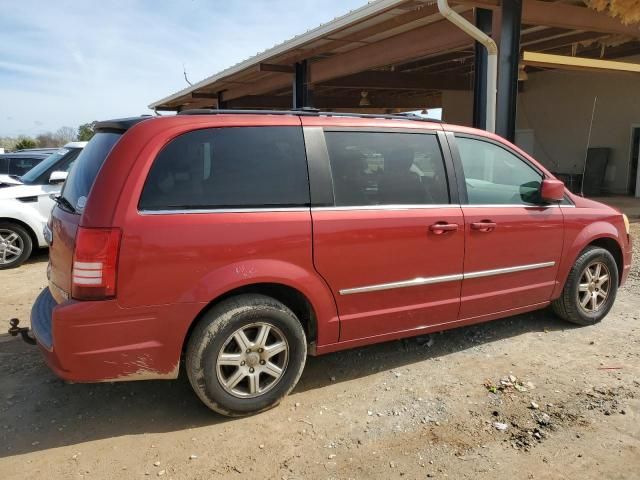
(26, 202)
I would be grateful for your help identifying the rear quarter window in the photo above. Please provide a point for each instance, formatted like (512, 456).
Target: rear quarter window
(236, 167)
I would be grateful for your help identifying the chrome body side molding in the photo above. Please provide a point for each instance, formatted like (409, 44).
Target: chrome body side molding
(403, 284)
(444, 278)
(502, 271)
(196, 211)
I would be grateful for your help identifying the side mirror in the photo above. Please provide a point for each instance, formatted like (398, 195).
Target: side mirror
(552, 190)
(57, 177)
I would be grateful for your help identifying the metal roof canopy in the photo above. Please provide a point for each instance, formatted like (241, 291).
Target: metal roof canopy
(392, 55)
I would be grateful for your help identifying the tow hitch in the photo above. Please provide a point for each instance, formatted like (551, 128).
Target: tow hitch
(14, 330)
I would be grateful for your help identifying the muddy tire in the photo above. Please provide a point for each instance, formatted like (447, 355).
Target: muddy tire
(15, 245)
(591, 288)
(245, 355)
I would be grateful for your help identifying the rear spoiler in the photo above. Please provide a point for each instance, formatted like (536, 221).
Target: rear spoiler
(120, 124)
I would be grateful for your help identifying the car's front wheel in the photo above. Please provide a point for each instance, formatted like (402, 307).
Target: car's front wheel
(591, 288)
(15, 245)
(245, 355)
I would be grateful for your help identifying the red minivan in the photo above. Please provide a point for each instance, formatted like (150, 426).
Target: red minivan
(243, 241)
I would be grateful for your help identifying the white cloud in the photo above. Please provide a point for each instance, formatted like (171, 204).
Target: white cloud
(66, 63)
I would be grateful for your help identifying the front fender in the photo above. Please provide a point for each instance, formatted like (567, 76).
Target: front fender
(575, 246)
(250, 272)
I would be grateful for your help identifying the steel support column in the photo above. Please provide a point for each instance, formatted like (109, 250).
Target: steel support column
(221, 103)
(301, 88)
(509, 58)
(483, 22)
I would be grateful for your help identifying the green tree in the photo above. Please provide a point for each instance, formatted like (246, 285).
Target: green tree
(86, 131)
(26, 142)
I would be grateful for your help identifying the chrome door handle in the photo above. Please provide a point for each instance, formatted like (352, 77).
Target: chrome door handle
(442, 227)
(484, 226)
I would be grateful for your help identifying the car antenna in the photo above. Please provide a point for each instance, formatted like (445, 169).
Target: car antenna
(586, 153)
(184, 72)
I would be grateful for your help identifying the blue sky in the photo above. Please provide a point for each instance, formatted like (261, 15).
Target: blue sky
(63, 63)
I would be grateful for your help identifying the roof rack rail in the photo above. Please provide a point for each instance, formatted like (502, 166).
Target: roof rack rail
(311, 112)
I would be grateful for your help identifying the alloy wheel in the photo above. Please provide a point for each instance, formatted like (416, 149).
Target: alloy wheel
(252, 360)
(594, 286)
(11, 246)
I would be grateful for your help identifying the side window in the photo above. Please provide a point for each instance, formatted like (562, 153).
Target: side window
(375, 168)
(4, 165)
(21, 165)
(239, 167)
(65, 166)
(495, 176)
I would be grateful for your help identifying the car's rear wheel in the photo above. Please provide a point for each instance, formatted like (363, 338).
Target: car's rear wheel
(15, 245)
(591, 288)
(245, 355)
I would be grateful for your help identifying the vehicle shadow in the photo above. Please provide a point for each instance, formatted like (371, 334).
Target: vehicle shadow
(355, 363)
(38, 411)
(38, 255)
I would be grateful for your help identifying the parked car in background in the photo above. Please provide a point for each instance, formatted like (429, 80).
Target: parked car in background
(18, 163)
(25, 203)
(38, 149)
(246, 241)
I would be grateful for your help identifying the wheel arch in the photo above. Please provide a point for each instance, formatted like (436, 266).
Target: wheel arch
(32, 234)
(601, 234)
(292, 297)
(613, 247)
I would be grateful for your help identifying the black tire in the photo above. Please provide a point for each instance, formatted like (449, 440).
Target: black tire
(567, 306)
(25, 239)
(212, 336)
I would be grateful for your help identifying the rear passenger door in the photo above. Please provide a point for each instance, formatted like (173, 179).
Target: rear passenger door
(388, 233)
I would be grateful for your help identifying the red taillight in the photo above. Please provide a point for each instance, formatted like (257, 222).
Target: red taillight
(95, 263)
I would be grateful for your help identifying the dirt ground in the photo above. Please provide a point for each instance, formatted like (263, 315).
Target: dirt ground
(525, 397)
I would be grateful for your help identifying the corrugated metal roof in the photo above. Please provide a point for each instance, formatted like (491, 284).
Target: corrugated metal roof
(402, 36)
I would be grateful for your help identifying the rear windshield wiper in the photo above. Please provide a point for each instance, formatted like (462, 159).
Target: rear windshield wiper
(64, 203)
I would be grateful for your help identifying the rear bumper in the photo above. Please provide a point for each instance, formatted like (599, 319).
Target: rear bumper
(101, 341)
(41, 314)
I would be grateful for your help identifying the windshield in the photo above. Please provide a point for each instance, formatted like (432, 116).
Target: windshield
(85, 168)
(32, 175)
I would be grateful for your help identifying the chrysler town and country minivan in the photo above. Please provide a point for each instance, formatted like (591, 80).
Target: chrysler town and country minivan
(241, 242)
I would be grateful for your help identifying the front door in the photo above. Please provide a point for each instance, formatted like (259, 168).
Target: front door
(513, 241)
(391, 245)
